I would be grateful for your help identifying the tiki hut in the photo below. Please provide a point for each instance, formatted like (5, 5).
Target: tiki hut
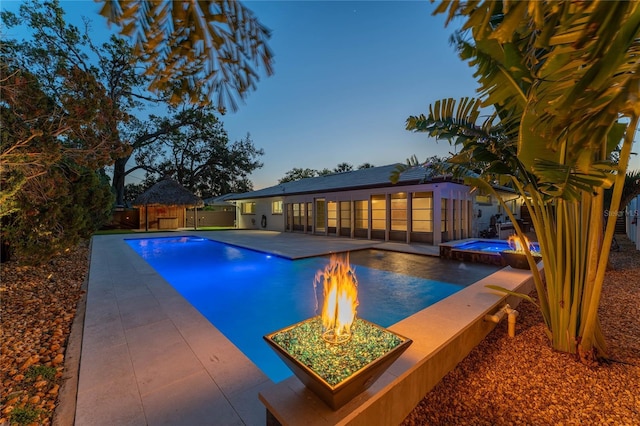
(164, 205)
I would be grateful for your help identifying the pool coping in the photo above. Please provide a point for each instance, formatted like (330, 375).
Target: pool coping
(149, 357)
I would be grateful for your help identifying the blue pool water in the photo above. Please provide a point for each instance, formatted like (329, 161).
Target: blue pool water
(247, 294)
(494, 246)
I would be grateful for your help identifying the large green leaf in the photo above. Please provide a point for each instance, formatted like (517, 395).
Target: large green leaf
(512, 293)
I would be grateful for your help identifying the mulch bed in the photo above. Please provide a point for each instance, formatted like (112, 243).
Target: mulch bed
(504, 380)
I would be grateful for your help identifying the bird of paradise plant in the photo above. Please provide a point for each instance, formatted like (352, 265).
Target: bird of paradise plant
(564, 79)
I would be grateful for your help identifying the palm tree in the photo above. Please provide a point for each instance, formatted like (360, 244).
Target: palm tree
(564, 79)
(190, 47)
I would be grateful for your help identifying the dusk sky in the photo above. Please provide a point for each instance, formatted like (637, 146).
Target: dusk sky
(347, 76)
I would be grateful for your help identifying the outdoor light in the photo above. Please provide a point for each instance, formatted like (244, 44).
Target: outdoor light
(516, 257)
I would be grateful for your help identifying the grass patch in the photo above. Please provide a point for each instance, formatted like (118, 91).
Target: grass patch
(114, 231)
(214, 228)
(138, 231)
(47, 373)
(24, 415)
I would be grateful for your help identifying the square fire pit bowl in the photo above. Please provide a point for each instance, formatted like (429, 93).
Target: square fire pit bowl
(337, 372)
(519, 260)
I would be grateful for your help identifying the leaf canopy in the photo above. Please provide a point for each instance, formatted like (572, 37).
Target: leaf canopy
(563, 74)
(190, 47)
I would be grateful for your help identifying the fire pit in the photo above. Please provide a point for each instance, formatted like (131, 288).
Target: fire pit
(336, 355)
(516, 258)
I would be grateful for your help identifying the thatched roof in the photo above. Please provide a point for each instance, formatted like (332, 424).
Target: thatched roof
(168, 192)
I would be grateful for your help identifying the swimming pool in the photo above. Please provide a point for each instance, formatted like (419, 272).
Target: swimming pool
(247, 294)
(493, 246)
(480, 251)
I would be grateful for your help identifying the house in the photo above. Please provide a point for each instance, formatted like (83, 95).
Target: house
(365, 204)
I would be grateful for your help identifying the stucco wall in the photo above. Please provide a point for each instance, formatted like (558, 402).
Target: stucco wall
(274, 222)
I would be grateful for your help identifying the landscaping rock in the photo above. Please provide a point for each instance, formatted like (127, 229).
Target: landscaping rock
(38, 307)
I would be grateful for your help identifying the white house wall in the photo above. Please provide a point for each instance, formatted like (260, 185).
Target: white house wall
(274, 222)
(476, 216)
(453, 192)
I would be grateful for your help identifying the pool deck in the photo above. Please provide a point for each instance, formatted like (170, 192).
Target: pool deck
(149, 358)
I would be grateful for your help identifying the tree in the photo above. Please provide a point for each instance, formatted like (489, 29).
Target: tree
(297, 174)
(114, 65)
(68, 47)
(213, 46)
(343, 167)
(365, 166)
(57, 210)
(133, 190)
(148, 135)
(564, 78)
(38, 131)
(50, 149)
(201, 158)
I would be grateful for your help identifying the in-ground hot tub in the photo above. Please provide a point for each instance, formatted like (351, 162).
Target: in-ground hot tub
(477, 250)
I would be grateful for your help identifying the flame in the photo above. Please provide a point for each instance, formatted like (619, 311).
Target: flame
(340, 291)
(517, 244)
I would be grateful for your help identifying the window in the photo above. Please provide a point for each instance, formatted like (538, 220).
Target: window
(248, 208)
(345, 214)
(276, 207)
(422, 212)
(297, 214)
(332, 214)
(399, 211)
(378, 212)
(362, 214)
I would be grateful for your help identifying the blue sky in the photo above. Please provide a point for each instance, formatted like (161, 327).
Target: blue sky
(347, 76)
